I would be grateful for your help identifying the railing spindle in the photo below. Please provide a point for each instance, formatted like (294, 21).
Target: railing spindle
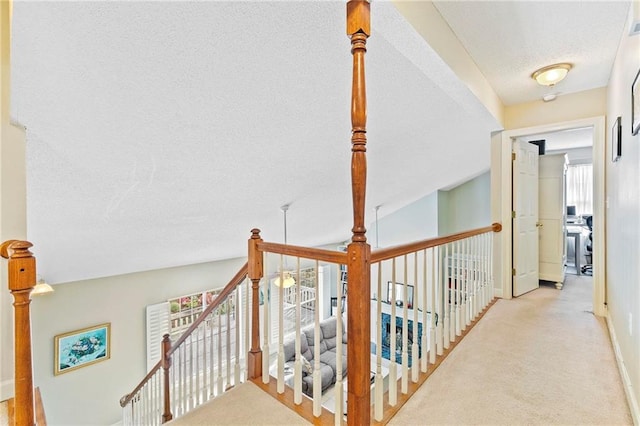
(404, 387)
(339, 388)
(317, 379)
(379, 383)
(297, 366)
(393, 371)
(415, 351)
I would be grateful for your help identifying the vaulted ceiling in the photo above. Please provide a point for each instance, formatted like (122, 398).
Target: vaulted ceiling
(160, 133)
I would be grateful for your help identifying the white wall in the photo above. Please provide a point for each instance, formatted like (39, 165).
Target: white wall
(417, 221)
(623, 215)
(466, 206)
(90, 395)
(13, 226)
(573, 106)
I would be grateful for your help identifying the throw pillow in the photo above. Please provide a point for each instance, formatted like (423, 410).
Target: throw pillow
(306, 365)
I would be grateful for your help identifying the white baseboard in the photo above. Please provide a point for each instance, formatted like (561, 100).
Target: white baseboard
(7, 389)
(624, 375)
(497, 292)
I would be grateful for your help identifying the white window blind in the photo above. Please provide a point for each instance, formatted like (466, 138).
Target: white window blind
(158, 324)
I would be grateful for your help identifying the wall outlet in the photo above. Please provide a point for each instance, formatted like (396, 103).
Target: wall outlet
(630, 324)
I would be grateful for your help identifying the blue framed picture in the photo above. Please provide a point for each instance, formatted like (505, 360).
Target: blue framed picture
(80, 348)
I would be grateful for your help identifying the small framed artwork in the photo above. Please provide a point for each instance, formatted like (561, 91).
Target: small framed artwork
(635, 105)
(616, 140)
(80, 348)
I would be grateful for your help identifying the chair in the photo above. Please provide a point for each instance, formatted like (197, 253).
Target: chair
(588, 268)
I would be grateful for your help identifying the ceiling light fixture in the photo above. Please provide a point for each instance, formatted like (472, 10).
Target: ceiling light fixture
(551, 75)
(284, 277)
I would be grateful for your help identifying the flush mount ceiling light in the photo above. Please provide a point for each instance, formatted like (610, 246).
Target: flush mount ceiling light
(549, 76)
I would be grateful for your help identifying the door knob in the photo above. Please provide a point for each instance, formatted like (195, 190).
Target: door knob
(538, 224)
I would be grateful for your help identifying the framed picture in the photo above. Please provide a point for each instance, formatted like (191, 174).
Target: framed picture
(399, 294)
(635, 105)
(616, 140)
(80, 348)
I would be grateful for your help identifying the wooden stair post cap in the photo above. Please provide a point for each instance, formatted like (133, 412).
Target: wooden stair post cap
(358, 17)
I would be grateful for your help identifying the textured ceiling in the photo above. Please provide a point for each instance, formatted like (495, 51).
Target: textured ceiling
(160, 133)
(509, 40)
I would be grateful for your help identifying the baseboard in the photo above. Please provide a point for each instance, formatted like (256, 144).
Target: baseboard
(624, 375)
(497, 292)
(7, 389)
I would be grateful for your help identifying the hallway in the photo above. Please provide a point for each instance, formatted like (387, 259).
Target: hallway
(540, 359)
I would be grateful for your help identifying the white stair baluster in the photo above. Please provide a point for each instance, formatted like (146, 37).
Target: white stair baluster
(435, 341)
(339, 387)
(317, 379)
(405, 331)
(379, 383)
(415, 349)
(393, 371)
(297, 366)
(428, 328)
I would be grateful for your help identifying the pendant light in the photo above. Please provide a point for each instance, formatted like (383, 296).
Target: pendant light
(284, 278)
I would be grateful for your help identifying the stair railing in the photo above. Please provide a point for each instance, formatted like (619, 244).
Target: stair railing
(207, 359)
(425, 295)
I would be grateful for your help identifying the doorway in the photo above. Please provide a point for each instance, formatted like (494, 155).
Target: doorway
(502, 197)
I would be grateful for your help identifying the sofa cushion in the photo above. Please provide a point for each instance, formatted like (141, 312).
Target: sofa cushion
(310, 333)
(327, 378)
(329, 331)
(290, 348)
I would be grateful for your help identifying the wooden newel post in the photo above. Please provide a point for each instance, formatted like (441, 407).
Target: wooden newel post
(166, 366)
(22, 279)
(255, 272)
(359, 252)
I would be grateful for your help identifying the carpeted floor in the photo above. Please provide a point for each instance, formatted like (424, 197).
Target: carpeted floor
(540, 359)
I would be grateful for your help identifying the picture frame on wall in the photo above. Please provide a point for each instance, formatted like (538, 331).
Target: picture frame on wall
(79, 348)
(635, 105)
(616, 140)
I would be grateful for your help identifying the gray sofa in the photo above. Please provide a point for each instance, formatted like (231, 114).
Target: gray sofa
(328, 344)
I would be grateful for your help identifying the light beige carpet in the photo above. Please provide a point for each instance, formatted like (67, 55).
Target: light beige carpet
(539, 359)
(4, 414)
(245, 405)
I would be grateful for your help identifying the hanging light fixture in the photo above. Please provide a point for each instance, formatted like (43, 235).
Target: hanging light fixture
(284, 278)
(552, 74)
(41, 288)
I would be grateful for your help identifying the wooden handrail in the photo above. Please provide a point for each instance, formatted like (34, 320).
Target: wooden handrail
(323, 255)
(128, 397)
(391, 252)
(228, 289)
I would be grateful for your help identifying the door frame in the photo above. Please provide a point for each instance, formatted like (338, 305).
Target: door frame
(501, 190)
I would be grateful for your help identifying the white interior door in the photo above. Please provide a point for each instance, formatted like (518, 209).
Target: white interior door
(525, 222)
